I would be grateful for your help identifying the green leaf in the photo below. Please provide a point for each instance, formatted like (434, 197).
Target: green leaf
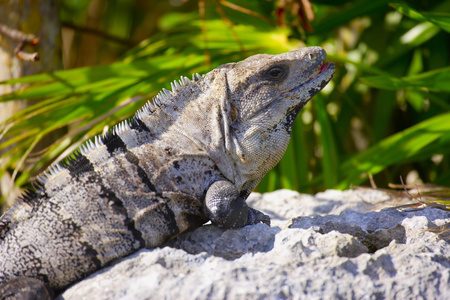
(436, 80)
(330, 156)
(348, 13)
(401, 147)
(441, 19)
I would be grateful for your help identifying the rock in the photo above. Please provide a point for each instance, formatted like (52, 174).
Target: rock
(326, 246)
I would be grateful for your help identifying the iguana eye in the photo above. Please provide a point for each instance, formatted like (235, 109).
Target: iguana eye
(276, 73)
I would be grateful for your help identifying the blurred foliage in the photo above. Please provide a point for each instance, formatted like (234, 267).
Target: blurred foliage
(386, 112)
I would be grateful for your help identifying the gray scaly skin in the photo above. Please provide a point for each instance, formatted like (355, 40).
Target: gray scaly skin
(192, 156)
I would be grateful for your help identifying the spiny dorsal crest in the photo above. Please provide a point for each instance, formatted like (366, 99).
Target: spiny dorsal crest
(99, 141)
(164, 95)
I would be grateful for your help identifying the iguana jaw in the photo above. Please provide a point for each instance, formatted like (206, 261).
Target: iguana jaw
(322, 74)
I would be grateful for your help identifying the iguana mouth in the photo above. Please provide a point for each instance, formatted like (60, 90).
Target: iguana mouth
(324, 68)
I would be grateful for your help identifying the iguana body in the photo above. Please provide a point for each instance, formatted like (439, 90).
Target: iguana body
(194, 156)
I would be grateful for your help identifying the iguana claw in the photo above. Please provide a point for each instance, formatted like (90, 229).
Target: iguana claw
(255, 216)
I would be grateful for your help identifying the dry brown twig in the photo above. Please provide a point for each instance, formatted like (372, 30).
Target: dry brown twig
(422, 203)
(24, 40)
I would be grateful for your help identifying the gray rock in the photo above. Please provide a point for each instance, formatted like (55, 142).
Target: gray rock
(327, 246)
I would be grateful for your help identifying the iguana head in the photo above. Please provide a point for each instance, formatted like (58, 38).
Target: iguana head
(265, 94)
(241, 114)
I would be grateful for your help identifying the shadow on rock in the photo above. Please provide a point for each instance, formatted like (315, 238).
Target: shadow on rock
(228, 244)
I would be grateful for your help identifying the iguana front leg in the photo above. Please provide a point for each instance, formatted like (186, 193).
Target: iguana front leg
(227, 209)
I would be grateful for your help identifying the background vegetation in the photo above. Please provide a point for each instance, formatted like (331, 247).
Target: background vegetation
(386, 113)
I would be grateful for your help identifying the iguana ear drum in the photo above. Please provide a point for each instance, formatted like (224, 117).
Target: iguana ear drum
(233, 112)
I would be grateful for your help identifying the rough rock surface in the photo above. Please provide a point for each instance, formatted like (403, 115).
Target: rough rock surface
(328, 246)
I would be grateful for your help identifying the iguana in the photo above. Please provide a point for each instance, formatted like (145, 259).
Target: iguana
(192, 155)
